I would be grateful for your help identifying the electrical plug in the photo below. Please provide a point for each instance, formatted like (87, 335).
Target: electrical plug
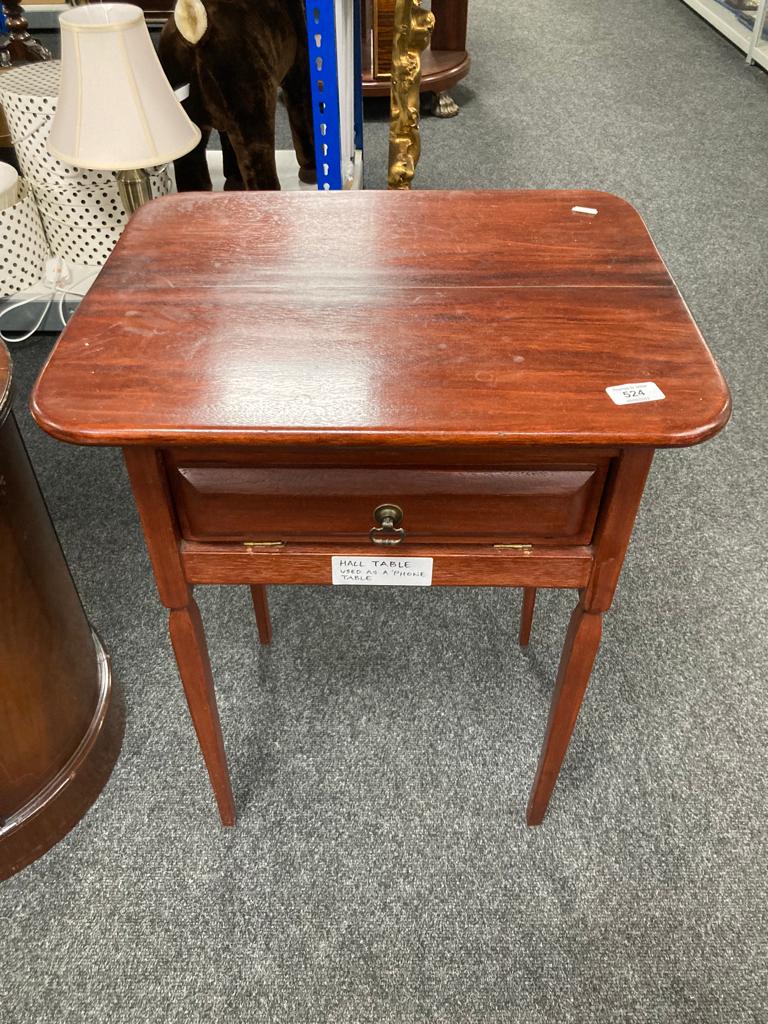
(57, 274)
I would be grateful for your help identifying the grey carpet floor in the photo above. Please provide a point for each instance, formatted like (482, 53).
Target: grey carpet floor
(382, 749)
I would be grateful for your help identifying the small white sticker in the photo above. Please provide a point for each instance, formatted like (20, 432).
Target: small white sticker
(360, 571)
(589, 210)
(629, 394)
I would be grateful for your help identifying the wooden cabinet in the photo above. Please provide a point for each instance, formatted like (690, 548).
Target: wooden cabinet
(444, 64)
(61, 722)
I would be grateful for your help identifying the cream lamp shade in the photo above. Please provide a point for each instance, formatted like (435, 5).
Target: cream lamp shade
(116, 109)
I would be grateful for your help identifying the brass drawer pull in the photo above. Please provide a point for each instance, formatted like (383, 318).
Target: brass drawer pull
(388, 531)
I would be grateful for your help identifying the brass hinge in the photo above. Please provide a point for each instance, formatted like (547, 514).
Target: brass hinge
(514, 547)
(263, 543)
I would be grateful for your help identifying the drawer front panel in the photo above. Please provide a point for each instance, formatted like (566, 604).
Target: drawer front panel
(547, 505)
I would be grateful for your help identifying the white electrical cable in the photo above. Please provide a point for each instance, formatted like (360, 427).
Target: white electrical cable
(56, 290)
(17, 305)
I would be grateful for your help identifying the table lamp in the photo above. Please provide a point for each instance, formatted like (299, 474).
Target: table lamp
(116, 110)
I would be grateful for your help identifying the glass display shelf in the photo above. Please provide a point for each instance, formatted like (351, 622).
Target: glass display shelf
(743, 22)
(725, 18)
(759, 49)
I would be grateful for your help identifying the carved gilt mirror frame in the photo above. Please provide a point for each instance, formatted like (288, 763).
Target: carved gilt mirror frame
(413, 28)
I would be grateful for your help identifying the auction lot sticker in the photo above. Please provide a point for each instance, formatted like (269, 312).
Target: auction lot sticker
(361, 571)
(631, 394)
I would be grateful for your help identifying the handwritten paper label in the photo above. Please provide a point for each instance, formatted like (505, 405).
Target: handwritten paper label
(629, 394)
(359, 571)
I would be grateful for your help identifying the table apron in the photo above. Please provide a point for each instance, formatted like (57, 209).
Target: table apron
(455, 567)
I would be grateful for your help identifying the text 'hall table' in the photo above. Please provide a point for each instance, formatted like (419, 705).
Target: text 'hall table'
(468, 384)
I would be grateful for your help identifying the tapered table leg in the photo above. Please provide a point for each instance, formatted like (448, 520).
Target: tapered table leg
(153, 500)
(189, 646)
(581, 643)
(261, 608)
(526, 616)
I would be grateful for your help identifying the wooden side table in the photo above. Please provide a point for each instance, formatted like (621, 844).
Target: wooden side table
(444, 64)
(380, 386)
(61, 723)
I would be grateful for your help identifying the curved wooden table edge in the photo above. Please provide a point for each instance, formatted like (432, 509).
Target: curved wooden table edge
(441, 70)
(162, 437)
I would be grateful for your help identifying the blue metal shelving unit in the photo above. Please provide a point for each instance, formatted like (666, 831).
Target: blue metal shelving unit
(328, 64)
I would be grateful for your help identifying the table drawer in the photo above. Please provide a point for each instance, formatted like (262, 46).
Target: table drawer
(549, 504)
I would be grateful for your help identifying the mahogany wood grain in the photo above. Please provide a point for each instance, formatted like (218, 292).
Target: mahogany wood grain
(35, 668)
(454, 566)
(261, 610)
(440, 70)
(443, 64)
(275, 365)
(623, 494)
(190, 648)
(61, 721)
(581, 643)
(231, 502)
(450, 32)
(150, 490)
(519, 457)
(438, 318)
(70, 793)
(526, 615)
(161, 533)
(622, 498)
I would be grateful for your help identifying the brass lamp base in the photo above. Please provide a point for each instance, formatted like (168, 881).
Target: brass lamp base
(134, 188)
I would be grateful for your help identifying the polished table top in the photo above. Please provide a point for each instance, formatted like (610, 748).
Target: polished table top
(293, 376)
(451, 318)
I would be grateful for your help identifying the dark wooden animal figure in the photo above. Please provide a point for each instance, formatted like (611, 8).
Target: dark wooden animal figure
(236, 55)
